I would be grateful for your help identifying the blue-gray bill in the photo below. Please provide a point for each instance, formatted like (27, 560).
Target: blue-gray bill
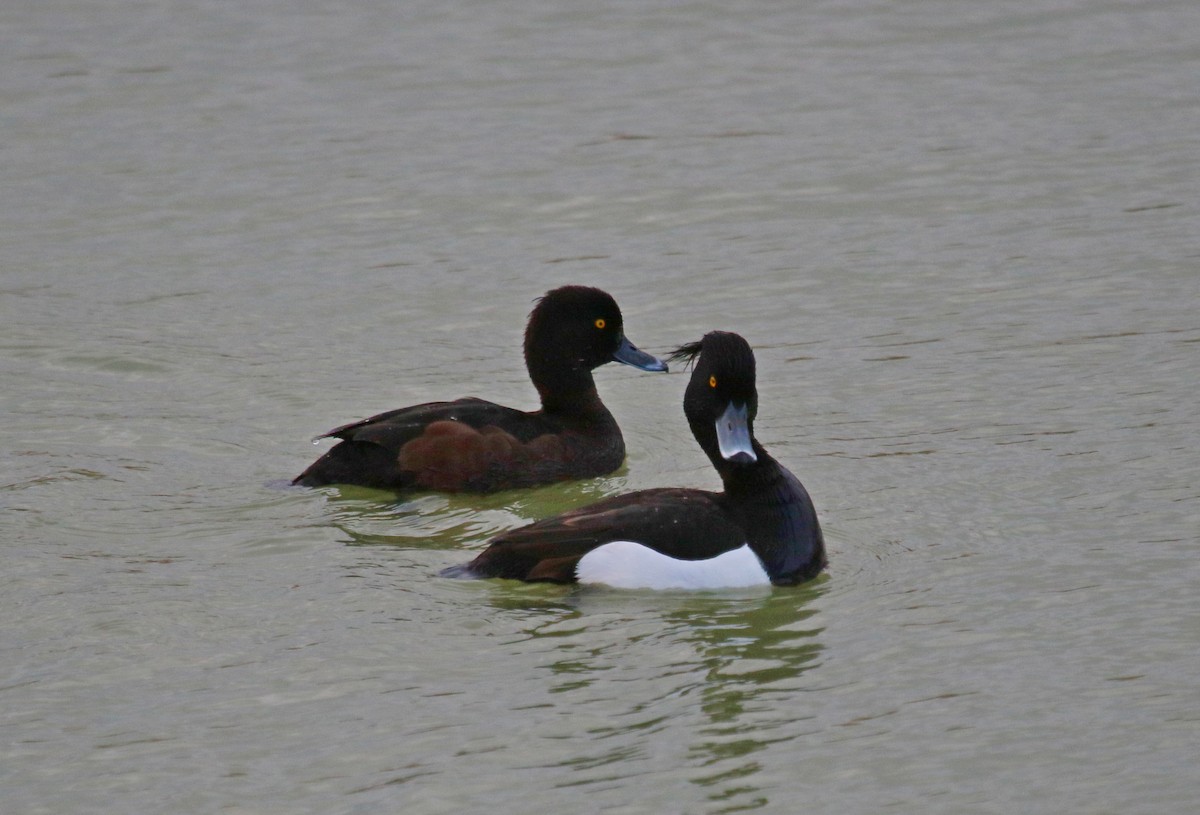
(733, 436)
(629, 354)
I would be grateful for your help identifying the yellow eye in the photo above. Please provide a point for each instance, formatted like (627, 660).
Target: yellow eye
(712, 381)
(600, 323)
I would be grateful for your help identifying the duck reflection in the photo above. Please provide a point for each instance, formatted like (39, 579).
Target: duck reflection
(436, 521)
(714, 679)
(753, 658)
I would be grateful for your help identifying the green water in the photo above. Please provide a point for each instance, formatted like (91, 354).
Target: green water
(962, 241)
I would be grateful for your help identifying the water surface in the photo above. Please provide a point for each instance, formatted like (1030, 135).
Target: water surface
(963, 242)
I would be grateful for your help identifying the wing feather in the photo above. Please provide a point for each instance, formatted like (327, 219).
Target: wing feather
(465, 445)
(680, 523)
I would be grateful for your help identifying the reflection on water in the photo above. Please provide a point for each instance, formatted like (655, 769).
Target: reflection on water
(752, 657)
(726, 664)
(370, 517)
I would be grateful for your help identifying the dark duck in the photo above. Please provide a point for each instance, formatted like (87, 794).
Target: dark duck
(761, 529)
(470, 445)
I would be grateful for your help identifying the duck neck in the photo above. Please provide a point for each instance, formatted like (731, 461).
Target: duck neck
(778, 516)
(747, 480)
(567, 390)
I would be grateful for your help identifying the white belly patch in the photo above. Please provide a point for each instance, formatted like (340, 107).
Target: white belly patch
(630, 565)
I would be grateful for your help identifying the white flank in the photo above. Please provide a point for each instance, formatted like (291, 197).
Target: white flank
(629, 565)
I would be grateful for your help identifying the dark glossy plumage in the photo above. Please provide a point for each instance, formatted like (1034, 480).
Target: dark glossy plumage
(470, 445)
(763, 504)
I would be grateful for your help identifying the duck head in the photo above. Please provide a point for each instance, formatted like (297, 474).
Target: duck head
(721, 400)
(572, 331)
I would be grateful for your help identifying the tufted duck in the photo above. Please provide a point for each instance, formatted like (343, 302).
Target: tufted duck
(762, 529)
(470, 445)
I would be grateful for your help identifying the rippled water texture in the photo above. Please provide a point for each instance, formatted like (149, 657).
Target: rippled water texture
(961, 237)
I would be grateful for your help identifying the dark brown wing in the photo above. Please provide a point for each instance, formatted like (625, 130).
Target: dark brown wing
(681, 523)
(393, 428)
(452, 456)
(465, 445)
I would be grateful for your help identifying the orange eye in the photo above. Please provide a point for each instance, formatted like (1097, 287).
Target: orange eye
(712, 381)
(600, 323)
